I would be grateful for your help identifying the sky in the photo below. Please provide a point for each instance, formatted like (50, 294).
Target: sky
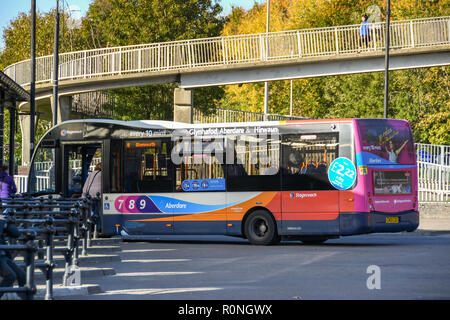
(11, 8)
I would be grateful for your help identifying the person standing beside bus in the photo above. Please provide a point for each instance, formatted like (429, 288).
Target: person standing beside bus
(7, 184)
(93, 184)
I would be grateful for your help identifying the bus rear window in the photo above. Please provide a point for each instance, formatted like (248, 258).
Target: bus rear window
(385, 142)
(392, 182)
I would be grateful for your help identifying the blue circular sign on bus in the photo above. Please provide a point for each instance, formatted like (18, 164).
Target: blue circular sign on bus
(185, 185)
(342, 173)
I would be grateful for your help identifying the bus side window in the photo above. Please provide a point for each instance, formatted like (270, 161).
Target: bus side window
(116, 162)
(306, 157)
(203, 161)
(145, 166)
(253, 163)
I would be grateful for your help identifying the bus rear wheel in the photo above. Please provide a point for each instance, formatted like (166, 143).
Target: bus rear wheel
(260, 228)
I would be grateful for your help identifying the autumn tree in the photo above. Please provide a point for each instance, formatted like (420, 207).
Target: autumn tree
(17, 48)
(419, 95)
(123, 22)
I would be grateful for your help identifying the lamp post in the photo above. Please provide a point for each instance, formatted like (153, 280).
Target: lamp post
(266, 83)
(55, 66)
(33, 76)
(386, 61)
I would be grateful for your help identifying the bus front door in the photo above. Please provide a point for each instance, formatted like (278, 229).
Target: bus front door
(80, 161)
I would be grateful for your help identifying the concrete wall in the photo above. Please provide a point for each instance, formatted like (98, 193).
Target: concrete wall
(434, 210)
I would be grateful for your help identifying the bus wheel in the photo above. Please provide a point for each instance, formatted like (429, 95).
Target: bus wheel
(260, 228)
(313, 240)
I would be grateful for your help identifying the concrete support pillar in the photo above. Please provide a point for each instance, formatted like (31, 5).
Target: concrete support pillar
(183, 101)
(65, 105)
(25, 129)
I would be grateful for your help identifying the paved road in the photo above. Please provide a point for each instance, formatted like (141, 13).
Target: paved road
(411, 266)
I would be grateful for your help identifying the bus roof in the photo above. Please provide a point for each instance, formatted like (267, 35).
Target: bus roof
(163, 124)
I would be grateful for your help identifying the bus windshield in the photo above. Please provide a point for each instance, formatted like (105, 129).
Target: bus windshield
(385, 142)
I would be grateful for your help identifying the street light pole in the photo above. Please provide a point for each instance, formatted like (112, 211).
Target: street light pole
(33, 77)
(386, 61)
(266, 83)
(55, 66)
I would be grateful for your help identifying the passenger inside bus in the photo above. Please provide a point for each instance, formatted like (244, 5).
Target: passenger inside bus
(75, 186)
(292, 164)
(235, 169)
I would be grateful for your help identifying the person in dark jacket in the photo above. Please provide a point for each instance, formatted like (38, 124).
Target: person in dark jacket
(7, 184)
(9, 271)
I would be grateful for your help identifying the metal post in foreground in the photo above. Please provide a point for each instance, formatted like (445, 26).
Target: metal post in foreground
(12, 132)
(33, 76)
(55, 66)
(266, 84)
(386, 61)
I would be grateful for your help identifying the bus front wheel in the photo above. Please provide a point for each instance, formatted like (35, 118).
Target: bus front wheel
(260, 228)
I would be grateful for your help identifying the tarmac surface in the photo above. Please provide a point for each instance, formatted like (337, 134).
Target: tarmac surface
(414, 266)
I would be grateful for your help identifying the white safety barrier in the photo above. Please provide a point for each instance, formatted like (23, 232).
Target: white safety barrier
(433, 165)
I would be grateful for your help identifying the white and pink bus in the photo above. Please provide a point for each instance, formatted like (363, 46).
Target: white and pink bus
(302, 179)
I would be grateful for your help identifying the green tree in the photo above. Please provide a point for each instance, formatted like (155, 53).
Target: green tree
(17, 48)
(17, 37)
(420, 95)
(124, 22)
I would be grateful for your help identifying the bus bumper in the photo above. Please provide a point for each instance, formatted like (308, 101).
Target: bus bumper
(364, 222)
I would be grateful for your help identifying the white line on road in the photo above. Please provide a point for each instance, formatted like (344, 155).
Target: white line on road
(156, 260)
(318, 257)
(146, 250)
(157, 291)
(144, 274)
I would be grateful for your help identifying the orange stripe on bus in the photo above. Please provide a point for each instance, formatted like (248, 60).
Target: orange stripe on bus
(264, 199)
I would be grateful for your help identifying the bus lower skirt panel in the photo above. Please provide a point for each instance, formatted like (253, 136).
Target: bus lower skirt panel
(352, 223)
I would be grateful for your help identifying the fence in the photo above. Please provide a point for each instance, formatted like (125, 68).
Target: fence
(42, 183)
(227, 115)
(240, 49)
(46, 220)
(433, 162)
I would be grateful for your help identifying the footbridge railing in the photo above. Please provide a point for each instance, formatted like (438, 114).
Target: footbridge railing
(239, 49)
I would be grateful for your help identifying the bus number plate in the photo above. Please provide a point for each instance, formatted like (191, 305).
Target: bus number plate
(392, 220)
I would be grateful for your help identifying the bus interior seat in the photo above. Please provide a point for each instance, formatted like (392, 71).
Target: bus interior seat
(321, 168)
(309, 169)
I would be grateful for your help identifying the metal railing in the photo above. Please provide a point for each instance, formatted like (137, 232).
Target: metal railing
(42, 183)
(239, 49)
(219, 115)
(43, 220)
(433, 165)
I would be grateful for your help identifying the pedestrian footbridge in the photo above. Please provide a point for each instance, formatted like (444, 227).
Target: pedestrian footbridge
(244, 58)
